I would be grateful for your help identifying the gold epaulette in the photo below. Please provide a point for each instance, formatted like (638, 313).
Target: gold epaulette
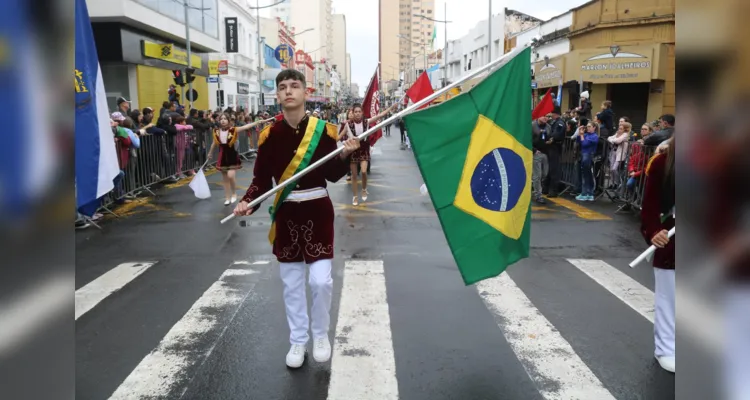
(264, 134)
(651, 160)
(333, 131)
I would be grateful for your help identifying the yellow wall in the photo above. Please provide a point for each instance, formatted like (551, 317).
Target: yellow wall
(565, 103)
(603, 23)
(598, 95)
(614, 11)
(153, 84)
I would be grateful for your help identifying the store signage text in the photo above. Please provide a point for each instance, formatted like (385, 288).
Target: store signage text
(167, 52)
(243, 88)
(230, 26)
(218, 67)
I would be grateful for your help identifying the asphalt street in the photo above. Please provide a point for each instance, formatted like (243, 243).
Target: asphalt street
(171, 304)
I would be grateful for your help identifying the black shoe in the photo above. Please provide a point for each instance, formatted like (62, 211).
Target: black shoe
(541, 200)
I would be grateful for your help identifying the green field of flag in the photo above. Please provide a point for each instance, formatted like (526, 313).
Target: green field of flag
(474, 152)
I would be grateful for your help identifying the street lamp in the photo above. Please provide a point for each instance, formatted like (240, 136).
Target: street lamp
(315, 77)
(445, 32)
(424, 49)
(306, 30)
(187, 47)
(257, 9)
(411, 64)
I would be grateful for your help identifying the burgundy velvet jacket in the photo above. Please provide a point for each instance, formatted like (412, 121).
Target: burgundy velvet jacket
(658, 200)
(304, 230)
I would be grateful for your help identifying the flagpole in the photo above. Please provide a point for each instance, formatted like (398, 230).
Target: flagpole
(496, 63)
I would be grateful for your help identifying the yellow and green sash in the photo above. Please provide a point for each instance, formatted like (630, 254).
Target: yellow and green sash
(301, 160)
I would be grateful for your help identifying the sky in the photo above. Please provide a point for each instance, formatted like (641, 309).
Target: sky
(362, 24)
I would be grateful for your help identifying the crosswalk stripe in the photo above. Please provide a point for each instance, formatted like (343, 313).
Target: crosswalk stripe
(625, 288)
(363, 365)
(160, 373)
(548, 358)
(113, 280)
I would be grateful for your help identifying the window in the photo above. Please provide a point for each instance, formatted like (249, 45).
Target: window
(429, 11)
(201, 20)
(415, 7)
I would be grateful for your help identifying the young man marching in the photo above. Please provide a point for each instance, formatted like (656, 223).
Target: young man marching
(361, 158)
(302, 213)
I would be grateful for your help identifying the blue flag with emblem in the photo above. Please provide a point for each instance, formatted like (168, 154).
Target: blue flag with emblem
(96, 158)
(475, 155)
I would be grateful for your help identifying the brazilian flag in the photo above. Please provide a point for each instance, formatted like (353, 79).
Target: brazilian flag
(474, 152)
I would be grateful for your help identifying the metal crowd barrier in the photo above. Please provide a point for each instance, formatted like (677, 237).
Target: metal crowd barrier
(166, 159)
(611, 179)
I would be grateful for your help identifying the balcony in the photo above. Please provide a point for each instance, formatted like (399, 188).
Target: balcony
(241, 61)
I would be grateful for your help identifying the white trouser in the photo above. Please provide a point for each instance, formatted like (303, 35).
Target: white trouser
(295, 299)
(737, 343)
(664, 326)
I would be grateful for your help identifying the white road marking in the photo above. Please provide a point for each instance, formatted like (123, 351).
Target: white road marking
(161, 372)
(33, 310)
(548, 358)
(625, 288)
(363, 366)
(113, 280)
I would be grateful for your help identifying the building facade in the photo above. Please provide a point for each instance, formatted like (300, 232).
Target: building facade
(625, 52)
(339, 59)
(402, 28)
(280, 11)
(348, 75)
(140, 43)
(473, 49)
(316, 18)
(355, 90)
(239, 87)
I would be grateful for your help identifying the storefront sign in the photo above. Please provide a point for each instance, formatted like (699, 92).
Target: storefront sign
(616, 64)
(283, 53)
(549, 72)
(230, 34)
(218, 67)
(213, 79)
(243, 88)
(167, 52)
(269, 83)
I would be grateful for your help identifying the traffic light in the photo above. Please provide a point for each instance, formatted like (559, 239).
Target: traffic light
(189, 78)
(177, 76)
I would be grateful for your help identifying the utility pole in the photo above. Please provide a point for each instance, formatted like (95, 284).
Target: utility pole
(445, 49)
(189, 54)
(260, 67)
(489, 44)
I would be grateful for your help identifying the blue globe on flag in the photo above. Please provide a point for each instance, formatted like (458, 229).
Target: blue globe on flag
(498, 180)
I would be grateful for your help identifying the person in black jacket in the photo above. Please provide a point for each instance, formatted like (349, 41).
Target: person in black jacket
(540, 170)
(607, 119)
(199, 134)
(666, 132)
(554, 151)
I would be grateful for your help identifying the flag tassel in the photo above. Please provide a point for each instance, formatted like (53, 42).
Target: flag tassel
(494, 64)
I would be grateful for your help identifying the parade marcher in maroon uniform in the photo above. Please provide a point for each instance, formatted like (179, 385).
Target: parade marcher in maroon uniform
(303, 220)
(229, 159)
(657, 218)
(355, 127)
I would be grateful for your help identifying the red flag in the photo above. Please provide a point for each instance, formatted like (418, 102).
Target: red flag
(371, 104)
(420, 89)
(544, 107)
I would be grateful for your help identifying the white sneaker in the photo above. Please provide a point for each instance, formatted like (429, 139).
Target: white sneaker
(322, 350)
(668, 363)
(296, 356)
(233, 199)
(364, 194)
